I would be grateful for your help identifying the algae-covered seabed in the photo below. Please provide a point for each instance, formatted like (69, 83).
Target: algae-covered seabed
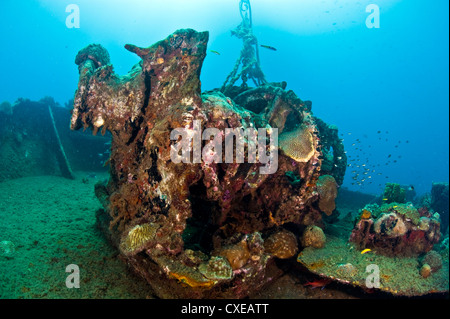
(51, 221)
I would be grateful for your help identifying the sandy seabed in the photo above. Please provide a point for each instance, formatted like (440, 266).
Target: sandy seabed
(51, 221)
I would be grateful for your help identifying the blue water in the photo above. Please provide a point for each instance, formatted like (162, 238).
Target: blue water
(392, 79)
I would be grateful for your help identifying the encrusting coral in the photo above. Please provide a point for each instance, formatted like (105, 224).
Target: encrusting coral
(282, 244)
(327, 189)
(313, 236)
(396, 229)
(433, 259)
(394, 193)
(237, 255)
(300, 144)
(425, 271)
(217, 268)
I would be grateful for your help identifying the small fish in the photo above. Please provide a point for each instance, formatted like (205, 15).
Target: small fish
(215, 52)
(320, 283)
(385, 199)
(365, 251)
(268, 47)
(395, 206)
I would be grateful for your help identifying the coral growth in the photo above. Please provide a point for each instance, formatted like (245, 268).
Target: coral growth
(237, 255)
(216, 210)
(334, 161)
(394, 193)
(282, 244)
(433, 259)
(6, 108)
(313, 236)
(395, 229)
(327, 189)
(440, 203)
(217, 268)
(425, 271)
(365, 214)
(390, 225)
(346, 270)
(299, 145)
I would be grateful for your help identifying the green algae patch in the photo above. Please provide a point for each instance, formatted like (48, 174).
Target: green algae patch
(343, 262)
(408, 210)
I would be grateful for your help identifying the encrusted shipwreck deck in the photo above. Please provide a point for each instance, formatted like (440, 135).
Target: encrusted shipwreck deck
(195, 228)
(342, 261)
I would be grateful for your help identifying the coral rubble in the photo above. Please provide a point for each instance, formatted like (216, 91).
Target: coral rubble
(199, 228)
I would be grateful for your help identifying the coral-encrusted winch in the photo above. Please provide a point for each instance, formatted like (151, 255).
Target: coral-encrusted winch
(201, 229)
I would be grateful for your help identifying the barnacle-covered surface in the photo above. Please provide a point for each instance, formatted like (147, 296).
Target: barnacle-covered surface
(196, 229)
